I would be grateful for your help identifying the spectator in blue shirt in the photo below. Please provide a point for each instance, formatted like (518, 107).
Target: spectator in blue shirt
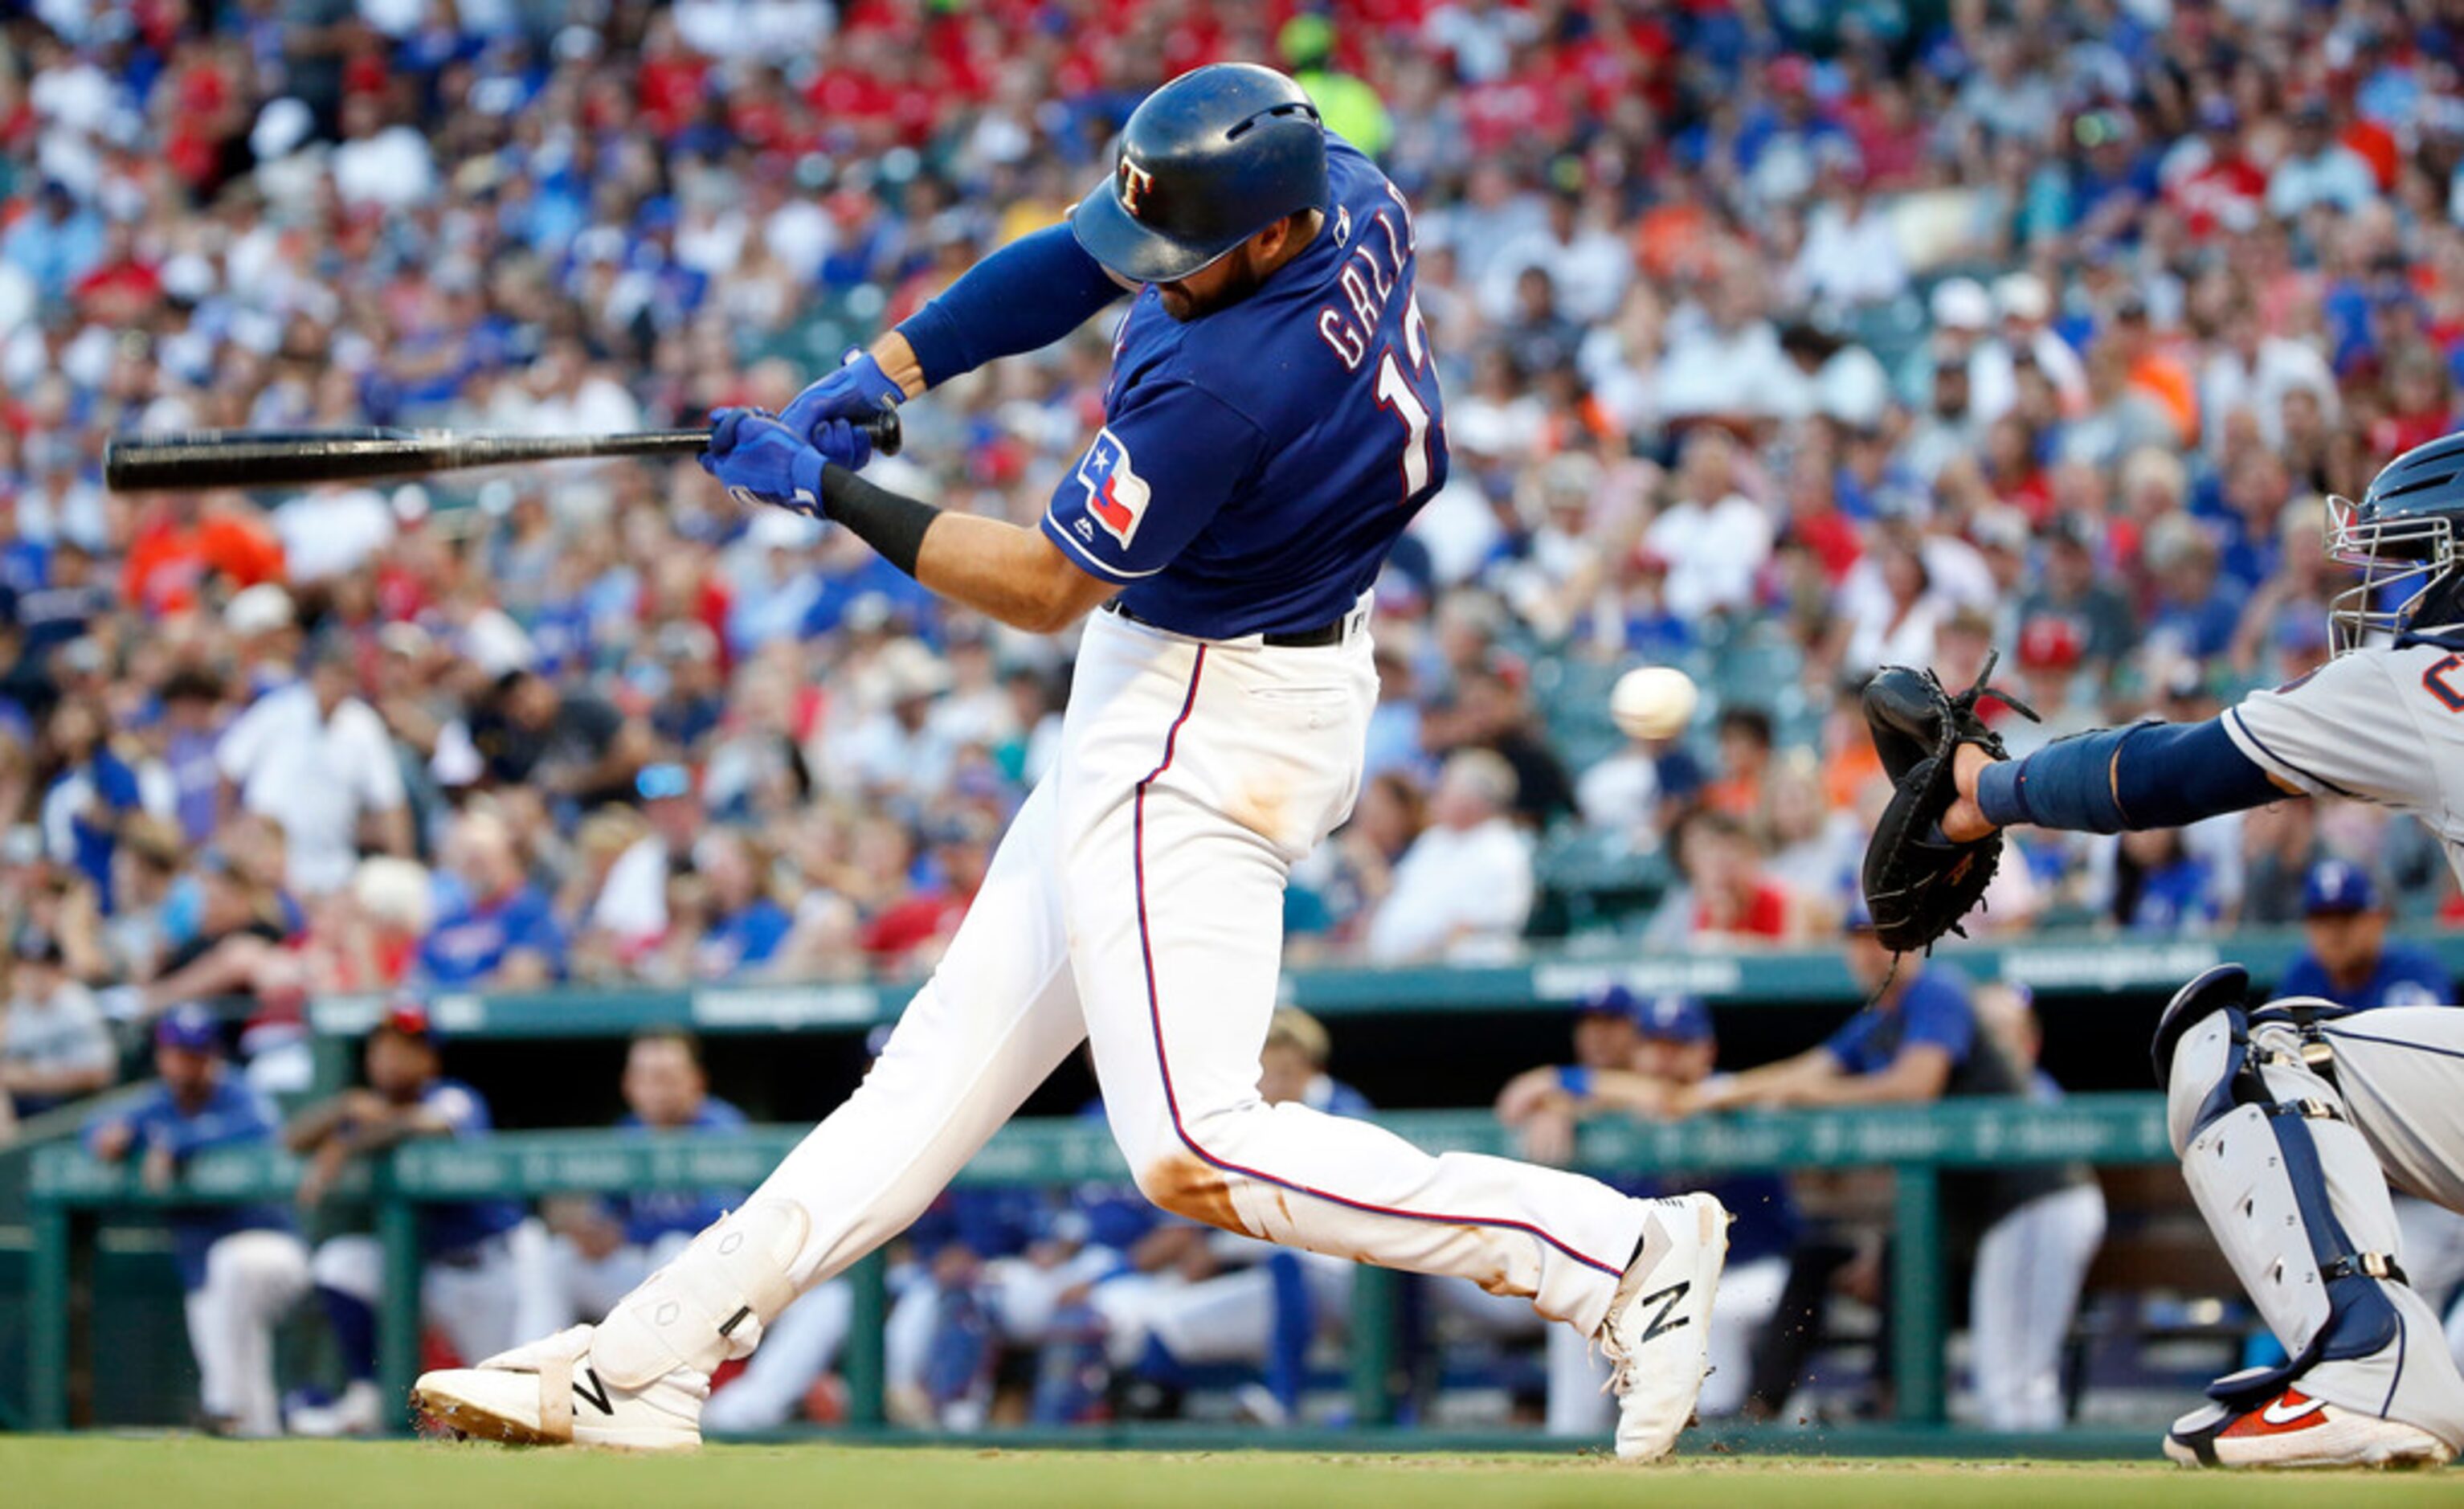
(746, 923)
(2349, 959)
(500, 931)
(94, 791)
(2160, 885)
(471, 1281)
(240, 1265)
(57, 245)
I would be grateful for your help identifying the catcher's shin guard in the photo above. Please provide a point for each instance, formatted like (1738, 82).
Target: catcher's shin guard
(2299, 1206)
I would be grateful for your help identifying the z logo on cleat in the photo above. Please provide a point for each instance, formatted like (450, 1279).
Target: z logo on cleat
(598, 1399)
(1659, 1324)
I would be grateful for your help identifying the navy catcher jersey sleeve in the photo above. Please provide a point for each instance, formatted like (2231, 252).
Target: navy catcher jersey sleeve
(1154, 478)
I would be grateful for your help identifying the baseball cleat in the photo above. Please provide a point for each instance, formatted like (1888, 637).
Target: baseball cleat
(358, 1411)
(2293, 1430)
(548, 1394)
(1657, 1335)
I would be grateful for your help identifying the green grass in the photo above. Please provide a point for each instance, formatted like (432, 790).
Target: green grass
(188, 1472)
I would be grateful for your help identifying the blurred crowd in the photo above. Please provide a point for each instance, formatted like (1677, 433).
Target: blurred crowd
(1779, 340)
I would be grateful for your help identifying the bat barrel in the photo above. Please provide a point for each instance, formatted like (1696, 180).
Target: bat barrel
(210, 459)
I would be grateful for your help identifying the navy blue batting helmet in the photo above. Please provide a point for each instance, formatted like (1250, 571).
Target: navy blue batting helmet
(1207, 161)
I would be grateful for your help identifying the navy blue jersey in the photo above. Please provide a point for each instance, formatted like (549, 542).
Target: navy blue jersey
(233, 1116)
(1257, 463)
(1933, 1008)
(654, 1213)
(451, 1228)
(2407, 974)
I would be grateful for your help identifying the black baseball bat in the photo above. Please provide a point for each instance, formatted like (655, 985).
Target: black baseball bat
(200, 459)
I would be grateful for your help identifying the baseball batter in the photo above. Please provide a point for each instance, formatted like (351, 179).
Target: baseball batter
(2293, 1116)
(1272, 423)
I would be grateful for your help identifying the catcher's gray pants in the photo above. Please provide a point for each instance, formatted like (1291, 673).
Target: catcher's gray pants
(2402, 1070)
(2291, 1132)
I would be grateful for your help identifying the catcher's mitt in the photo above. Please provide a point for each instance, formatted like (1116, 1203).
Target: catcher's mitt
(1918, 883)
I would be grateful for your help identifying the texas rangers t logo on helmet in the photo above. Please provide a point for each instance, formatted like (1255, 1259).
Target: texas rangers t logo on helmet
(1135, 182)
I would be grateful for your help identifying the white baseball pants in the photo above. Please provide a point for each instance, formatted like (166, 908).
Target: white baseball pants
(1136, 901)
(475, 1302)
(252, 1277)
(2029, 1268)
(797, 1348)
(564, 1285)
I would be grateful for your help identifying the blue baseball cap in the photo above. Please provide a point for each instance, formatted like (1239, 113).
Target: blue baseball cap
(190, 1026)
(1611, 1000)
(2336, 888)
(663, 779)
(1676, 1019)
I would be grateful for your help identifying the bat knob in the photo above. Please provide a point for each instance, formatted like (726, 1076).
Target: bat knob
(883, 428)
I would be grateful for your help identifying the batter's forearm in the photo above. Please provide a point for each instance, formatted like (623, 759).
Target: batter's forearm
(993, 567)
(1008, 573)
(1023, 297)
(892, 523)
(2146, 775)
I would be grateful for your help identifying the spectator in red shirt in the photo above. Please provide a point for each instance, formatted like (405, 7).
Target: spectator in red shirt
(182, 543)
(2211, 182)
(912, 933)
(1733, 902)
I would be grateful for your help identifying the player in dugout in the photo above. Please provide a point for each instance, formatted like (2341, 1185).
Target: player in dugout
(241, 1266)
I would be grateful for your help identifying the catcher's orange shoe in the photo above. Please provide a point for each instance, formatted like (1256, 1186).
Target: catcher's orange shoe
(2293, 1430)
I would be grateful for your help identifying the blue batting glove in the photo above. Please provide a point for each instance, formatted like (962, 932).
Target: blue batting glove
(858, 388)
(843, 443)
(760, 460)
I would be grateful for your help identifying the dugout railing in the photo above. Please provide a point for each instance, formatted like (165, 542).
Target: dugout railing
(72, 1195)
(2053, 966)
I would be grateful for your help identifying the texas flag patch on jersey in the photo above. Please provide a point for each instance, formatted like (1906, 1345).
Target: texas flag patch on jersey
(1116, 496)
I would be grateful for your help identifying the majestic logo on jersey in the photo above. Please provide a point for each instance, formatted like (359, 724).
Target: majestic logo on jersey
(1116, 496)
(1136, 183)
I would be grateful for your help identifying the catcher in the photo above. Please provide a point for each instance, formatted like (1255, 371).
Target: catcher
(2287, 1113)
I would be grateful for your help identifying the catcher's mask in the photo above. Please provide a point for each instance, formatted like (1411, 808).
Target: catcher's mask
(2402, 537)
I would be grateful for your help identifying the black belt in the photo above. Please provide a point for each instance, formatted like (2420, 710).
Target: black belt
(1325, 634)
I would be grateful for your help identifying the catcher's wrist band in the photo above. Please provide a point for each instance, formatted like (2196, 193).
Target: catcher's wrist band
(2146, 775)
(2067, 785)
(892, 523)
(1576, 1080)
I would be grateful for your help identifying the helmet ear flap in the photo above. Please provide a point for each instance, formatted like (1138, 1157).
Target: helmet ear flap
(2441, 604)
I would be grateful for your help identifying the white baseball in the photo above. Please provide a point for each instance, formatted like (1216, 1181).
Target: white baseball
(1652, 701)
